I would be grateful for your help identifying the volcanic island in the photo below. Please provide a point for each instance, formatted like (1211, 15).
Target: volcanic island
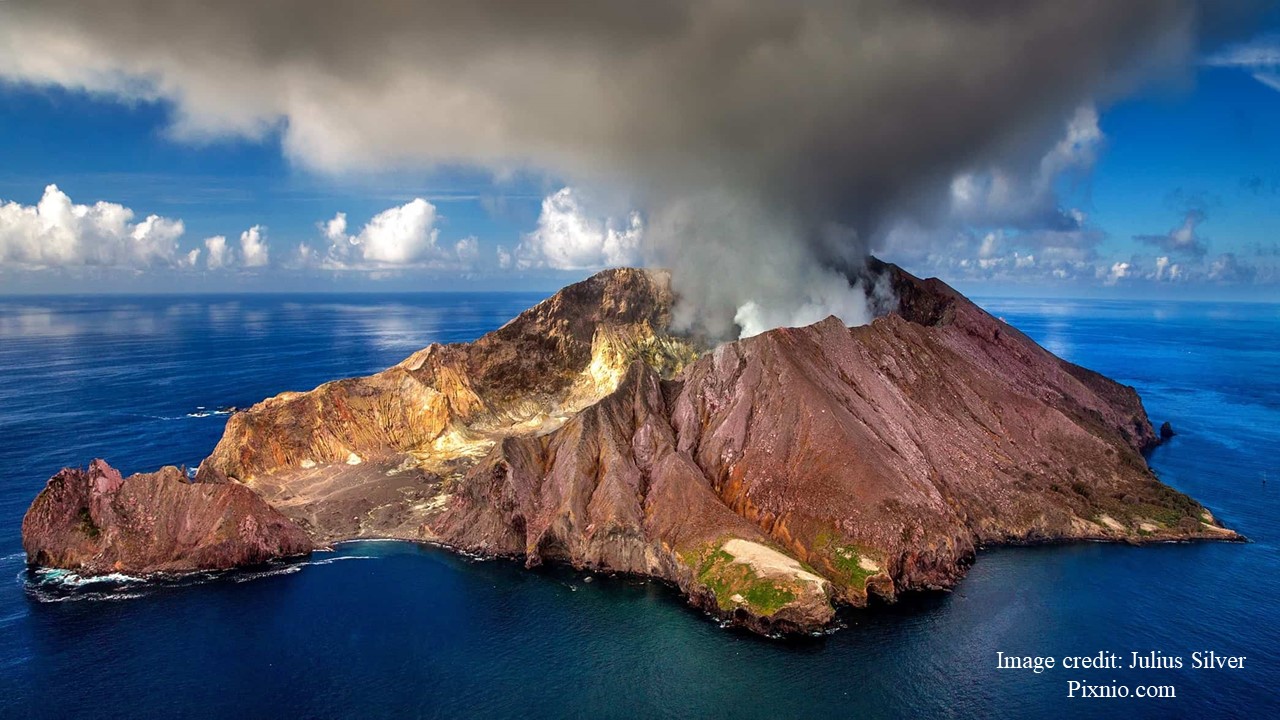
(771, 479)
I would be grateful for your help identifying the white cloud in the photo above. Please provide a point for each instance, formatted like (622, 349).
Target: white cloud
(1259, 57)
(468, 250)
(1118, 271)
(1000, 254)
(218, 255)
(254, 251)
(399, 235)
(305, 255)
(56, 232)
(404, 236)
(1167, 270)
(568, 238)
(253, 247)
(1007, 223)
(1025, 198)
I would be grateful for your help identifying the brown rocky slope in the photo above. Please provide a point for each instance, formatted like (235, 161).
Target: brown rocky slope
(95, 522)
(770, 479)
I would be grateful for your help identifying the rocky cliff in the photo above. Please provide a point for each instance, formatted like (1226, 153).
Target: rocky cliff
(771, 479)
(95, 522)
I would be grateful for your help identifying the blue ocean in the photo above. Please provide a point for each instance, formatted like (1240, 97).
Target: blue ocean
(386, 629)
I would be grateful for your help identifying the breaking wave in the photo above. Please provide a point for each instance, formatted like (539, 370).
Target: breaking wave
(332, 560)
(203, 412)
(57, 585)
(70, 579)
(200, 411)
(52, 585)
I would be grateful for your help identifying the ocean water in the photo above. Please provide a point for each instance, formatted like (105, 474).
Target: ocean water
(394, 629)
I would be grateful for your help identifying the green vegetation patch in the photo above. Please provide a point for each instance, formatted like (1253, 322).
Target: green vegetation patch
(717, 570)
(1160, 504)
(846, 560)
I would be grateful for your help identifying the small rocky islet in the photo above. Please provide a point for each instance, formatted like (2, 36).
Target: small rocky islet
(772, 479)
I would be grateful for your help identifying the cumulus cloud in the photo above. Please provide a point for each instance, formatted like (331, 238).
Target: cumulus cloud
(467, 250)
(253, 247)
(1118, 271)
(404, 236)
(1064, 252)
(218, 255)
(827, 121)
(568, 237)
(1167, 271)
(56, 232)
(1223, 269)
(221, 255)
(1182, 239)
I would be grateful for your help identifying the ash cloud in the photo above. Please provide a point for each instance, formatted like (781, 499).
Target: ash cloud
(769, 144)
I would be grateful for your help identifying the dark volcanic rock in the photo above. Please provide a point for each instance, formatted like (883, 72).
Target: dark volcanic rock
(95, 522)
(770, 479)
(1166, 431)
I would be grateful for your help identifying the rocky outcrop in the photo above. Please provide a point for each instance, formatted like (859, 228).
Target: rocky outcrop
(368, 457)
(447, 402)
(95, 522)
(771, 479)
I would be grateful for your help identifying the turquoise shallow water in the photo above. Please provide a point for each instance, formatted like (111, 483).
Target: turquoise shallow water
(395, 629)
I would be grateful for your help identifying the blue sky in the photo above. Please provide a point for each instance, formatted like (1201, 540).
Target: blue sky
(1205, 145)
(95, 147)
(1200, 156)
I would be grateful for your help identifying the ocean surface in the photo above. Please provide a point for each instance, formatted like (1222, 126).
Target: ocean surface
(394, 629)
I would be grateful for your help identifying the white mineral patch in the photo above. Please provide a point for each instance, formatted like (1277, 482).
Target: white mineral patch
(1110, 522)
(767, 562)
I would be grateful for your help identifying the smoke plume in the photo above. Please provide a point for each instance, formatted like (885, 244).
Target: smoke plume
(769, 143)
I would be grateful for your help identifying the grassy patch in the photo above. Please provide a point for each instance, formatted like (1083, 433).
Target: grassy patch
(717, 570)
(768, 598)
(1154, 502)
(845, 560)
(1169, 517)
